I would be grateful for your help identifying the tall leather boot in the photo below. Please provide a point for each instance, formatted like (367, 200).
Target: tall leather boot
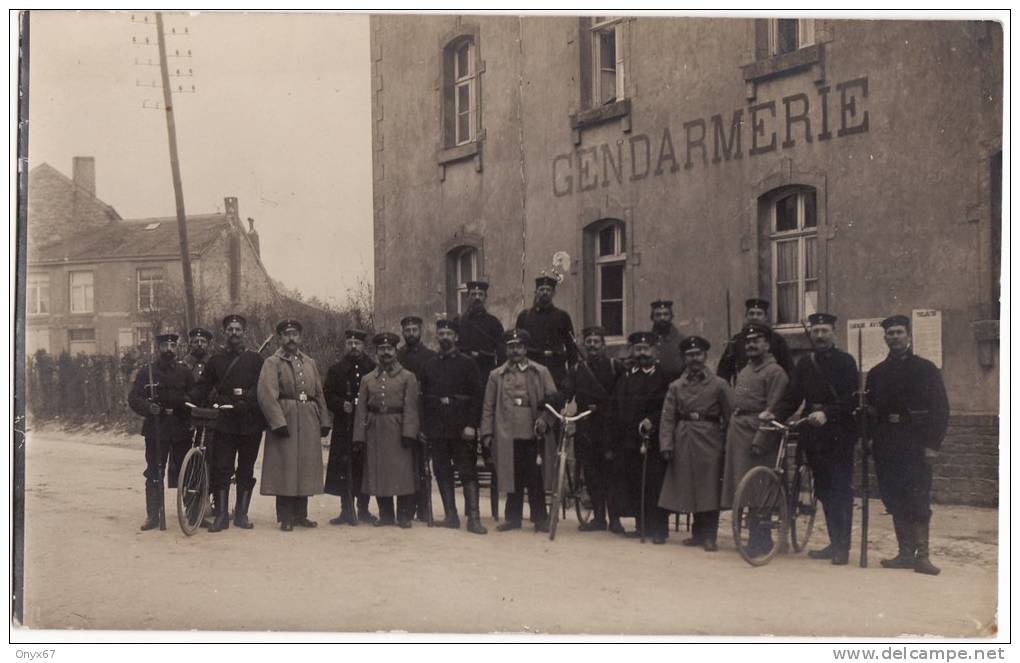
(921, 563)
(222, 518)
(474, 524)
(449, 497)
(364, 514)
(906, 543)
(241, 509)
(151, 506)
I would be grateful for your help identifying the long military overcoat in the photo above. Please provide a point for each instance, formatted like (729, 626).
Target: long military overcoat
(496, 417)
(292, 465)
(387, 412)
(758, 388)
(694, 475)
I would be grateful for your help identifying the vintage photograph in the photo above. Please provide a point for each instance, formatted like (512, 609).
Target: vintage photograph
(584, 323)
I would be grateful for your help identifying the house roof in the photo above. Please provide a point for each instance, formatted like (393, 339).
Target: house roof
(46, 169)
(135, 238)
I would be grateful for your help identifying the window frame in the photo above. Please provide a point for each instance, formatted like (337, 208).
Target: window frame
(805, 35)
(35, 283)
(801, 234)
(460, 281)
(72, 341)
(596, 30)
(89, 289)
(617, 258)
(154, 284)
(460, 80)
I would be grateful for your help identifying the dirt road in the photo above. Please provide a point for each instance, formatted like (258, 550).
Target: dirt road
(88, 566)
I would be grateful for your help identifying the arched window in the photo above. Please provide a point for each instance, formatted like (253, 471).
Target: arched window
(461, 267)
(790, 215)
(606, 253)
(460, 85)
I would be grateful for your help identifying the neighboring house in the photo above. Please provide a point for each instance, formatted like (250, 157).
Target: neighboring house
(100, 283)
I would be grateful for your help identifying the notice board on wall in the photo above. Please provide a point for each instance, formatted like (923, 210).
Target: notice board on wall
(927, 334)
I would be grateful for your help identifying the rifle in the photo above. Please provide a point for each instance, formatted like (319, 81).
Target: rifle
(426, 474)
(862, 424)
(159, 450)
(645, 437)
(265, 343)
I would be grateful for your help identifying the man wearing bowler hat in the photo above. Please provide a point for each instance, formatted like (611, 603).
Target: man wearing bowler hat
(290, 396)
(230, 381)
(909, 412)
(551, 333)
(734, 358)
(343, 381)
(825, 382)
(386, 422)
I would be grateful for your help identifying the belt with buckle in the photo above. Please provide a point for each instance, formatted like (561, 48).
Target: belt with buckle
(746, 413)
(382, 409)
(697, 416)
(896, 418)
(301, 398)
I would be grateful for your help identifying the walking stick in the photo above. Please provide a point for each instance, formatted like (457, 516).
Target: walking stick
(862, 425)
(159, 450)
(644, 479)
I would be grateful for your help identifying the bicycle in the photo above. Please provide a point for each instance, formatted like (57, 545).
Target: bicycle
(193, 482)
(775, 498)
(565, 456)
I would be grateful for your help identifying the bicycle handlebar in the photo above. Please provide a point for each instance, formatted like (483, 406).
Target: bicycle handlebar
(777, 426)
(564, 418)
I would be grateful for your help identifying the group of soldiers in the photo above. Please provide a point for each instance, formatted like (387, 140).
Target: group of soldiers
(666, 434)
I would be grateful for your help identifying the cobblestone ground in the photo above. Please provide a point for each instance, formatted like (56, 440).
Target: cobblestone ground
(89, 567)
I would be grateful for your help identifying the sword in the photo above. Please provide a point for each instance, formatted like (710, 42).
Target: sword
(644, 478)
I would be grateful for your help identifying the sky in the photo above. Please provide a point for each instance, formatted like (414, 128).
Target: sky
(280, 119)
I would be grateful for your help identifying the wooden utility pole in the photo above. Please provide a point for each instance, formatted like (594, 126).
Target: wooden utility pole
(175, 169)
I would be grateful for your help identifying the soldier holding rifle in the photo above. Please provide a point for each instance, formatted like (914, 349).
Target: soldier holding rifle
(159, 393)
(345, 467)
(451, 408)
(824, 382)
(909, 415)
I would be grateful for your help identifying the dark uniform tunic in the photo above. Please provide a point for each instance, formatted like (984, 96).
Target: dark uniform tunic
(734, 357)
(343, 381)
(238, 429)
(671, 359)
(826, 382)
(173, 381)
(639, 395)
(480, 336)
(451, 393)
(594, 381)
(911, 413)
(196, 365)
(413, 359)
(552, 340)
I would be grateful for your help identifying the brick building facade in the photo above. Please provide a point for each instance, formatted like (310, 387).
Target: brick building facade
(847, 166)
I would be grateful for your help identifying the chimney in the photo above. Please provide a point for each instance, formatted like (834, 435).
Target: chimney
(230, 208)
(83, 172)
(253, 237)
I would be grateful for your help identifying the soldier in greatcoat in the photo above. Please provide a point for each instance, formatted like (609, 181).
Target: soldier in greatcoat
(159, 394)
(290, 396)
(733, 359)
(387, 422)
(594, 380)
(668, 353)
(451, 394)
(910, 413)
(412, 356)
(518, 430)
(551, 333)
(760, 386)
(692, 442)
(636, 413)
(343, 382)
(825, 382)
(230, 381)
(479, 333)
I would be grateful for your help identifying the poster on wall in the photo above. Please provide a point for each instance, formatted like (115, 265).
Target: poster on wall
(872, 341)
(927, 334)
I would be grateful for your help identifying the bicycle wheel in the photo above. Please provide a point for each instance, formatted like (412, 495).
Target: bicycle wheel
(578, 490)
(759, 509)
(803, 506)
(557, 496)
(192, 491)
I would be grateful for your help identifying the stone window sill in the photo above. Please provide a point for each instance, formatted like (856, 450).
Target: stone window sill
(450, 155)
(809, 57)
(591, 117)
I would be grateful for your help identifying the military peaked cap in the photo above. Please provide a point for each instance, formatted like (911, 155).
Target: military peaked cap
(385, 338)
(284, 325)
(650, 338)
(444, 323)
(410, 320)
(821, 319)
(754, 330)
(756, 302)
(167, 338)
(896, 320)
(233, 317)
(694, 343)
(356, 333)
(662, 303)
(593, 331)
(477, 285)
(545, 280)
(517, 336)
(199, 332)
